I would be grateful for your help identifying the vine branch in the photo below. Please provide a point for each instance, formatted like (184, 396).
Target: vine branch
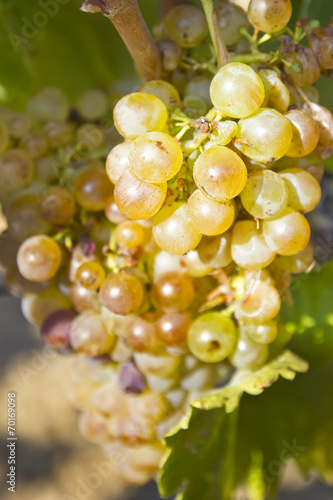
(215, 33)
(130, 24)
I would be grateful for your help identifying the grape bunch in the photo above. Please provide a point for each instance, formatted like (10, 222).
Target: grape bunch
(162, 261)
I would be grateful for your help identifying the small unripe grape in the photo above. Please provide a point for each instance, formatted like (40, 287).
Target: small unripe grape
(129, 234)
(118, 161)
(304, 190)
(265, 136)
(216, 252)
(93, 104)
(220, 173)
(88, 334)
(303, 68)
(56, 327)
(321, 42)
(16, 170)
(288, 233)
(39, 258)
(138, 113)
(248, 355)
(297, 263)
(265, 333)
(265, 194)
(212, 337)
(208, 216)
(35, 144)
(236, 90)
(19, 125)
(112, 212)
(92, 189)
(248, 246)
(121, 293)
(171, 54)
(269, 15)
(172, 292)
(261, 304)
(305, 133)
(231, 18)
(137, 199)
(48, 104)
(166, 92)
(24, 219)
(155, 157)
(141, 335)
(58, 133)
(173, 230)
(186, 24)
(90, 275)
(56, 205)
(277, 94)
(172, 329)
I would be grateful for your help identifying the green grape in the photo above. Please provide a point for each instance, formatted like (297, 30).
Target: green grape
(19, 125)
(16, 170)
(277, 94)
(199, 87)
(48, 104)
(186, 25)
(265, 136)
(4, 137)
(90, 137)
(210, 217)
(220, 173)
(23, 218)
(236, 90)
(39, 258)
(58, 133)
(303, 67)
(138, 113)
(269, 16)
(223, 132)
(173, 231)
(172, 328)
(56, 205)
(212, 337)
(231, 18)
(248, 246)
(89, 335)
(129, 234)
(265, 333)
(166, 92)
(304, 190)
(35, 144)
(288, 233)
(172, 292)
(92, 189)
(121, 293)
(90, 275)
(118, 161)
(195, 106)
(93, 104)
(216, 252)
(321, 42)
(265, 194)
(137, 199)
(261, 303)
(47, 168)
(141, 335)
(171, 54)
(305, 133)
(297, 263)
(155, 157)
(248, 355)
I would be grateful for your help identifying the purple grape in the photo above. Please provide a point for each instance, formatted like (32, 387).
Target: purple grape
(55, 329)
(131, 380)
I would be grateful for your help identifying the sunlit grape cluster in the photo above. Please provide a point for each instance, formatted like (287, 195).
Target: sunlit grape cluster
(162, 261)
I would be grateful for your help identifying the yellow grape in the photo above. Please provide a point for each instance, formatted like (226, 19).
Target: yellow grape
(35, 144)
(129, 234)
(269, 15)
(16, 170)
(248, 246)
(118, 161)
(39, 258)
(304, 190)
(172, 328)
(216, 252)
(305, 133)
(261, 303)
(93, 104)
(90, 275)
(24, 219)
(56, 205)
(208, 216)
(166, 92)
(172, 292)
(141, 335)
(186, 25)
(277, 94)
(92, 189)
(121, 293)
(231, 18)
(265, 333)
(89, 335)
(58, 133)
(297, 263)
(248, 355)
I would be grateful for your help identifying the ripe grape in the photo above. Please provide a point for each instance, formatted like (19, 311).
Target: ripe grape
(48, 104)
(220, 173)
(141, 335)
(172, 292)
(121, 293)
(223, 132)
(112, 212)
(304, 190)
(248, 246)
(47, 168)
(166, 92)
(18, 125)
(56, 205)
(321, 42)
(158, 365)
(90, 275)
(138, 113)
(248, 355)
(35, 144)
(265, 194)
(172, 329)
(236, 90)
(24, 219)
(186, 25)
(90, 137)
(137, 199)
(216, 252)
(56, 327)
(58, 133)
(118, 161)
(260, 304)
(16, 170)
(93, 104)
(37, 306)
(262, 334)
(155, 157)
(194, 265)
(297, 263)
(129, 234)
(92, 189)
(212, 337)
(171, 54)
(39, 258)
(88, 334)
(208, 216)
(305, 133)
(303, 68)
(288, 233)
(269, 15)
(173, 230)
(277, 94)
(199, 87)
(231, 18)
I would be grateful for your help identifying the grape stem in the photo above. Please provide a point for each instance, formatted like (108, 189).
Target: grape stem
(128, 21)
(220, 47)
